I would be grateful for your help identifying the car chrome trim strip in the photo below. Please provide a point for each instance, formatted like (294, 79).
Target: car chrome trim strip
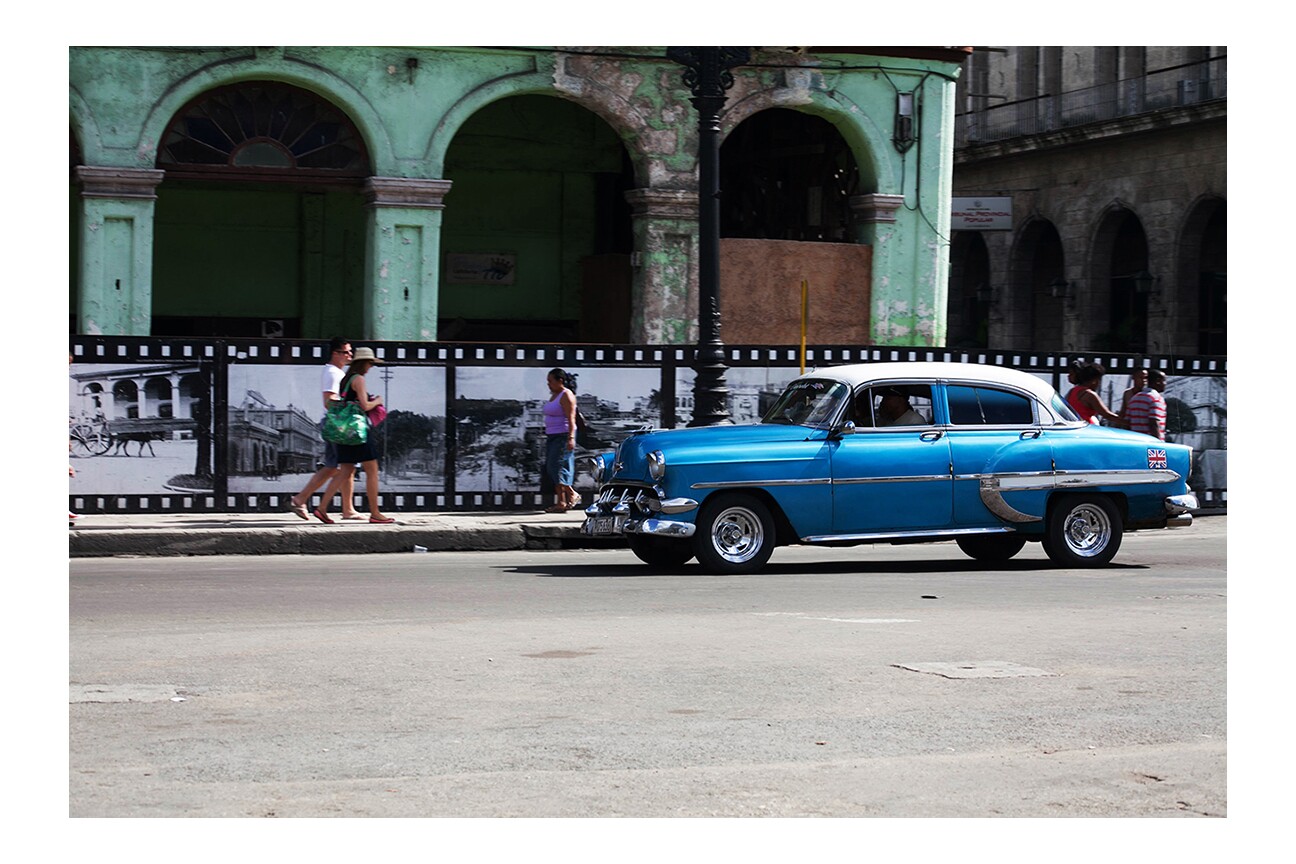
(748, 484)
(907, 478)
(907, 535)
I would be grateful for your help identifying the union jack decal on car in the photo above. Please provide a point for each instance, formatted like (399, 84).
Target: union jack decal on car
(1156, 458)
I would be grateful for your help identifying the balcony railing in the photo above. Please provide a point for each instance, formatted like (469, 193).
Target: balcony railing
(1173, 87)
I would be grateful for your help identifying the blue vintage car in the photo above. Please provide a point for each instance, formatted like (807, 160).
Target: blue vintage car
(894, 453)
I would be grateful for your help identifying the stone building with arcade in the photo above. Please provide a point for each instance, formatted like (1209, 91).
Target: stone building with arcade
(505, 194)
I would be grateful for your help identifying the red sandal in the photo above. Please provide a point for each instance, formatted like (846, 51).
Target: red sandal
(323, 517)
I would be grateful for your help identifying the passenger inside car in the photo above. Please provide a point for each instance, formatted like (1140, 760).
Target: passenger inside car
(907, 405)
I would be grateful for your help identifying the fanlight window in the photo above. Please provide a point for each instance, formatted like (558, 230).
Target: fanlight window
(260, 128)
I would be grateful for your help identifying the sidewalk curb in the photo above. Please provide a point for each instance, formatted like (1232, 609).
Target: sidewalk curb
(322, 540)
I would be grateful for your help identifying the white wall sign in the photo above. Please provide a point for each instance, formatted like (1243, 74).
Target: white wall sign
(981, 214)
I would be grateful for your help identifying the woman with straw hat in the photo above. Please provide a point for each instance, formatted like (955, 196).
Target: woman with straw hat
(353, 389)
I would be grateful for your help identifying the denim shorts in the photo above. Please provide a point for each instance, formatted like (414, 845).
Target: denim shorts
(560, 463)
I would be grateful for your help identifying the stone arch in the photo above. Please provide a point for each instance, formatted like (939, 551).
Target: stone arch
(334, 90)
(558, 255)
(85, 130)
(602, 101)
(788, 175)
(861, 133)
(1112, 307)
(1036, 263)
(1196, 295)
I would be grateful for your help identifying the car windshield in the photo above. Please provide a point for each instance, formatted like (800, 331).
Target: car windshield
(810, 402)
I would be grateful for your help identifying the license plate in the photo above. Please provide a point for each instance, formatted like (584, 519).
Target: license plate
(606, 524)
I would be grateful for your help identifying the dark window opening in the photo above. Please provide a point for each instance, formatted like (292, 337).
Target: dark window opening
(785, 175)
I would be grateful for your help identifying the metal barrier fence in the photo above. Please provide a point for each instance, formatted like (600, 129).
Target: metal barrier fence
(194, 426)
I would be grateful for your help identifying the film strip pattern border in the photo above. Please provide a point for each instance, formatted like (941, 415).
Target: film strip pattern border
(219, 354)
(140, 349)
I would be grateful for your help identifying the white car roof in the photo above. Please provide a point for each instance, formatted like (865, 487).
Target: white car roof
(862, 373)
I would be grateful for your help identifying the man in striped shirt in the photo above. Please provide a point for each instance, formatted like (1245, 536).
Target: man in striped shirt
(1147, 408)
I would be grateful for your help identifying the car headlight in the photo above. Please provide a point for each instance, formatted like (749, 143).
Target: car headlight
(657, 464)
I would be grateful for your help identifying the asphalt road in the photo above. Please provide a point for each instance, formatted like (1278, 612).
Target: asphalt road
(875, 681)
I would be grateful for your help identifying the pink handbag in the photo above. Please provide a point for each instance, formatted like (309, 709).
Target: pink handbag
(377, 414)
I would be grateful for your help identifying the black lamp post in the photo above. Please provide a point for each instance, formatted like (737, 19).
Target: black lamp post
(707, 75)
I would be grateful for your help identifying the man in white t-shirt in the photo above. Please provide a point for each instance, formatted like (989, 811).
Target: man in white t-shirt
(330, 384)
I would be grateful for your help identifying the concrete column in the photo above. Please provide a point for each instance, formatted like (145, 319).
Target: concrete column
(115, 285)
(875, 226)
(403, 258)
(664, 289)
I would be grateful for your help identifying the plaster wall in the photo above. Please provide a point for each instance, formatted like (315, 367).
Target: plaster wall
(408, 104)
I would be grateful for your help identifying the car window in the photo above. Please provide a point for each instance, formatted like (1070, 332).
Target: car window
(809, 402)
(896, 404)
(987, 406)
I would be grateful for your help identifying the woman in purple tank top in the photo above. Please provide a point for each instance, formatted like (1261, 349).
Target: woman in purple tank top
(560, 441)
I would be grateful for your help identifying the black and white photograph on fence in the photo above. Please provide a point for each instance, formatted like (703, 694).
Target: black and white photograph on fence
(500, 421)
(752, 390)
(274, 441)
(140, 429)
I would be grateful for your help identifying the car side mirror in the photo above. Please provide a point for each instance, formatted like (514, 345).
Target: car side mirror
(847, 428)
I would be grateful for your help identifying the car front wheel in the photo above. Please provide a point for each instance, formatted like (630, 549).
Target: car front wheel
(735, 534)
(1083, 531)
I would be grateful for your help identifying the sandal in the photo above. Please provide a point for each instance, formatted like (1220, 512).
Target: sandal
(299, 510)
(354, 517)
(384, 520)
(557, 508)
(323, 517)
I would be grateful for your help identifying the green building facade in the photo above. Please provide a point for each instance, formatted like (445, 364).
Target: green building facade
(491, 194)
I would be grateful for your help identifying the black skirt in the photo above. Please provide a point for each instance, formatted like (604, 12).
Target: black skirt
(354, 454)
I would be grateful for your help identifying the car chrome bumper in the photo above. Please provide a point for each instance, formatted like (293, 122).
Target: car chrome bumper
(1178, 508)
(605, 525)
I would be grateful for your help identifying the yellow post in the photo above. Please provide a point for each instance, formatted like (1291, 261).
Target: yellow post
(805, 314)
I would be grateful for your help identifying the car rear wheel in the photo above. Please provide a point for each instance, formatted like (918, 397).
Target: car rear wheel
(660, 552)
(735, 534)
(991, 547)
(1083, 531)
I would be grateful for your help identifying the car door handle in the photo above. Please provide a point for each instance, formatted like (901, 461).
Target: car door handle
(1031, 433)
(932, 436)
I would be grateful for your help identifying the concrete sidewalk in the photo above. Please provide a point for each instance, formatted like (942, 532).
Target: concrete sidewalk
(134, 534)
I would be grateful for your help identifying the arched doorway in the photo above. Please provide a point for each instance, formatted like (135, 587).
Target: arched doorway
(970, 291)
(259, 226)
(1122, 282)
(1202, 299)
(536, 236)
(786, 183)
(1039, 271)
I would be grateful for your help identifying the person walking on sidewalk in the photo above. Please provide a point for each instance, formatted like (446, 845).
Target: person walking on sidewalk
(365, 454)
(1147, 409)
(330, 384)
(560, 441)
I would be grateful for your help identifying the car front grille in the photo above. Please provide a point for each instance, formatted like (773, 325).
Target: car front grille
(638, 501)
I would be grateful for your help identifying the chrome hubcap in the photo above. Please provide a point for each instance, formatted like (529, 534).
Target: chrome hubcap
(1087, 530)
(737, 534)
